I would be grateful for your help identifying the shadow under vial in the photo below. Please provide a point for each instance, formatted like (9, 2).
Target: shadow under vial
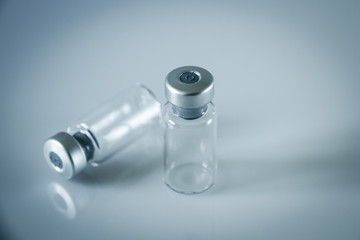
(289, 163)
(313, 174)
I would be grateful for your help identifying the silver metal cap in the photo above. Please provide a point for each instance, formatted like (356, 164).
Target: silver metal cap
(64, 154)
(189, 87)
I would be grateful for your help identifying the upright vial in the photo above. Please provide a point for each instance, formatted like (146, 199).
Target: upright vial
(190, 130)
(109, 128)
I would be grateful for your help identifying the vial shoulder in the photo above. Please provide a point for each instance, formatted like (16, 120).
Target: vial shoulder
(211, 108)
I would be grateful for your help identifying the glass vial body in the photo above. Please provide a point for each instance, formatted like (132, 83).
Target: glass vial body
(102, 132)
(118, 122)
(190, 163)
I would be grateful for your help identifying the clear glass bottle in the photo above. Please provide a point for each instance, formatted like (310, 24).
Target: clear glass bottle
(190, 130)
(104, 131)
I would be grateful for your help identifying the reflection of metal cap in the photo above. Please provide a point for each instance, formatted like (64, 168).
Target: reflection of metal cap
(62, 200)
(189, 87)
(64, 154)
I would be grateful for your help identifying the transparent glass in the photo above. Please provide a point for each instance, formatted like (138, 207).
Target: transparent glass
(119, 122)
(190, 165)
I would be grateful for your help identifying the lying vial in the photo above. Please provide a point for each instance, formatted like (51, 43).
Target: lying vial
(101, 133)
(190, 130)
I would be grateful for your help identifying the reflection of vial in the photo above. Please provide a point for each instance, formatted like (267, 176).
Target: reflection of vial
(190, 130)
(103, 132)
(68, 201)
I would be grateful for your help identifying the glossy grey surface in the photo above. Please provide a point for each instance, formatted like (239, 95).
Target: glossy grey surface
(287, 93)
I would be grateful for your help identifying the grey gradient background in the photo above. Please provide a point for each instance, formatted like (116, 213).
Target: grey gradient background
(287, 94)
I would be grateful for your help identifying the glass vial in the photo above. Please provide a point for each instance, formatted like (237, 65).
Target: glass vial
(104, 131)
(190, 130)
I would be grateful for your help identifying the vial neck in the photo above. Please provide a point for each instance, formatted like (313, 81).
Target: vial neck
(189, 113)
(86, 144)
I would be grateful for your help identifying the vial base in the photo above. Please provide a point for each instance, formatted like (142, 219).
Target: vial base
(189, 178)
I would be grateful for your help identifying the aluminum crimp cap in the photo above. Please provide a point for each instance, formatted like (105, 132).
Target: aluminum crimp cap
(64, 154)
(189, 87)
